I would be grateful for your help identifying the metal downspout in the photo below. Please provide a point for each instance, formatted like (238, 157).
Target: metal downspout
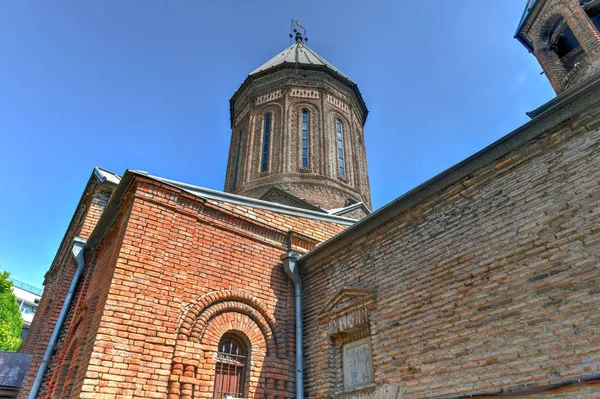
(291, 268)
(77, 252)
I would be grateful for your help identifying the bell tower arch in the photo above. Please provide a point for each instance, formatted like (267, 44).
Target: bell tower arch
(563, 35)
(297, 133)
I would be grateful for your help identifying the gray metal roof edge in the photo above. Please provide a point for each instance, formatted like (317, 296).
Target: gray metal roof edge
(565, 96)
(254, 203)
(526, 14)
(111, 212)
(100, 174)
(351, 208)
(557, 113)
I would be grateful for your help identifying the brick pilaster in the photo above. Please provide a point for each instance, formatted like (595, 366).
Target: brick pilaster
(583, 29)
(553, 67)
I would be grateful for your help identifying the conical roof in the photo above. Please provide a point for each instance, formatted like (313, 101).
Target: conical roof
(298, 53)
(300, 56)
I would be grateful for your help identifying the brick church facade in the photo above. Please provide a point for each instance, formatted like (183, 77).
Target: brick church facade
(482, 282)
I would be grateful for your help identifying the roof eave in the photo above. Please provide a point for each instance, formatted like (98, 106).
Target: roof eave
(529, 6)
(284, 65)
(111, 212)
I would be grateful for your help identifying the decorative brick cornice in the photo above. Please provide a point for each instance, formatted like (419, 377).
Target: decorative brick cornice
(348, 310)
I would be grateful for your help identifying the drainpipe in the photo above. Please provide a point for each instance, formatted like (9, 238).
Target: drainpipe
(290, 266)
(77, 252)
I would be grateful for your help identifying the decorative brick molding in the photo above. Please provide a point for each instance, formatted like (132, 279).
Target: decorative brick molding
(268, 97)
(345, 318)
(305, 93)
(348, 309)
(200, 331)
(193, 362)
(196, 315)
(338, 103)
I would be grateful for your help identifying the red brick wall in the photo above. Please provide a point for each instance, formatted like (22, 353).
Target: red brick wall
(58, 279)
(171, 277)
(491, 284)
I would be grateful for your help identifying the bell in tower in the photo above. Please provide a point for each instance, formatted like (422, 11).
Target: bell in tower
(297, 133)
(563, 36)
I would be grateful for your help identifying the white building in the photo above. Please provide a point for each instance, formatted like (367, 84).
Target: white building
(28, 298)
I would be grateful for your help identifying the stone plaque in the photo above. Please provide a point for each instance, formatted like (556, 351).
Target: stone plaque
(358, 364)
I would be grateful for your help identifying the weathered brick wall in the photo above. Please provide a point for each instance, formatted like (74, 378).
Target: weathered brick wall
(491, 284)
(73, 360)
(58, 279)
(176, 275)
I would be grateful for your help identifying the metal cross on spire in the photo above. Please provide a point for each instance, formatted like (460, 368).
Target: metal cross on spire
(300, 31)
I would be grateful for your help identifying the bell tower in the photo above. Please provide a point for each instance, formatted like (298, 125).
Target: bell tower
(297, 133)
(563, 36)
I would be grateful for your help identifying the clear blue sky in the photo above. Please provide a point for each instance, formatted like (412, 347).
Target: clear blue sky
(145, 85)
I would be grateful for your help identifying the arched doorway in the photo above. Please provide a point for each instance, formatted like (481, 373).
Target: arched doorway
(231, 368)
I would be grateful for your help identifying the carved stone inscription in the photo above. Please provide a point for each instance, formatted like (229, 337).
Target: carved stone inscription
(358, 364)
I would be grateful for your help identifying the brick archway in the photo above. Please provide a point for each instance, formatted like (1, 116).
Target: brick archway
(200, 331)
(64, 379)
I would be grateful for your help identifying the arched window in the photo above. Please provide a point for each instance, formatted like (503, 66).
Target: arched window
(562, 41)
(230, 373)
(237, 160)
(305, 150)
(340, 147)
(264, 166)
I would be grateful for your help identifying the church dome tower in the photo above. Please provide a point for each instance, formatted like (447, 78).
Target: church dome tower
(563, 36)
(297, 134)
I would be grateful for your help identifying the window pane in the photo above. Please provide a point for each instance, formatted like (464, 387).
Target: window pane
(266, 143)
(340, 145)
(305, 137)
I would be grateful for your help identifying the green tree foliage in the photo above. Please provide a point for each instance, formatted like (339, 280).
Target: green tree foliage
(11, 322)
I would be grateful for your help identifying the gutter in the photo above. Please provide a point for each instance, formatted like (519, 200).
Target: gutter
(77, 252)
(290, 266)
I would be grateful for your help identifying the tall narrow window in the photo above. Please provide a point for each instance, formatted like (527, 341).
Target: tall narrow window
(237, 160)
(266, 144)
(230, 373)
(305, 138)
(340, 147)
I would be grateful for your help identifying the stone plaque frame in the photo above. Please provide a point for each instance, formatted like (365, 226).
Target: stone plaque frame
(345, 319)
(357, 360)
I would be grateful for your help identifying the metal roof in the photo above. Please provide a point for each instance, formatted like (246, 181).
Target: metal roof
(298, 53)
